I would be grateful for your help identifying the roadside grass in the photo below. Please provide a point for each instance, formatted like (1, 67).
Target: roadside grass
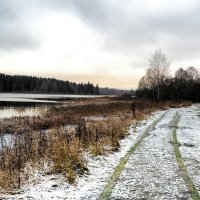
(44, 139)
(189, 183)
(114, 178)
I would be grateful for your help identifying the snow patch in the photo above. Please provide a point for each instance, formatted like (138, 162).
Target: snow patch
(88, 186)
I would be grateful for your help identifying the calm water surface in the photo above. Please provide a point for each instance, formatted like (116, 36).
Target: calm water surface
(18, 104)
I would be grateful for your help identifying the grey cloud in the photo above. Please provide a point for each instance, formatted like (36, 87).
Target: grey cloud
(129, 27)
(14, 33)
(11, 38)
(7, 14)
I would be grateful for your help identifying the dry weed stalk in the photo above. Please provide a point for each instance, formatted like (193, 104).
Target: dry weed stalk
(46, 138)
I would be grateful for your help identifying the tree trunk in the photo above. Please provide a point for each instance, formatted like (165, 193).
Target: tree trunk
(158, 94)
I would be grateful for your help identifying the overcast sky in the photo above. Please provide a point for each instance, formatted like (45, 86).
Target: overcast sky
(102, 41)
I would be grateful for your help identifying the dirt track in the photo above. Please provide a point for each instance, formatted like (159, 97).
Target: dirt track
(152, 171)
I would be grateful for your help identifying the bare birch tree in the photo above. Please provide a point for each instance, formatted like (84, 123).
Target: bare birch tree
(156, 73)
(193, 73)
(159, 69)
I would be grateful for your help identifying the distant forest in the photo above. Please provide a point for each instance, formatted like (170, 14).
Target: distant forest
(113, 91)
(185, 85)
(16, 83)
(157, 83)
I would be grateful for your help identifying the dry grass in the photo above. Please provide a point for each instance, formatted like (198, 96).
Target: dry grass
(45, 139)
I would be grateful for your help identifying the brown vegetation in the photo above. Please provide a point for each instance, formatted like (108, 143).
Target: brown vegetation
(49, 140)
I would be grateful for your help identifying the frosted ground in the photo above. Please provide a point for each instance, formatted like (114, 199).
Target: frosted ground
(150, 173)
(189, 139)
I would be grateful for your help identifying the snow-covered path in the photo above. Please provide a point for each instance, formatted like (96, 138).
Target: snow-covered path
(152, 171)
(188, 136)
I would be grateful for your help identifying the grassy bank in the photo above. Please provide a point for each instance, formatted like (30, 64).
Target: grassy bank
(59, 138)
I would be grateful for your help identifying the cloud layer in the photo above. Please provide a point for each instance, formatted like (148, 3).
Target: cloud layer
(136, 23)
(132, 29)
(16, 30)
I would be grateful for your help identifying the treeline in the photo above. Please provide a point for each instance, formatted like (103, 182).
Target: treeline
(10, 83)
(113, 91)
(185, 85)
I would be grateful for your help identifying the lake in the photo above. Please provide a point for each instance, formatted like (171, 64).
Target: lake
(21, 104)
(40, 98)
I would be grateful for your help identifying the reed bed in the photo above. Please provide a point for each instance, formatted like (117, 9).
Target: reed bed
(59, 138)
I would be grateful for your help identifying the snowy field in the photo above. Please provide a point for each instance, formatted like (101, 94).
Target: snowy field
(151, 172)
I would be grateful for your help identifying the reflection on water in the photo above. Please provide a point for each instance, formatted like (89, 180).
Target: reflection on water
(40, 98)
(20, 104)
(12, 104)
(6, 140)
(7, 112)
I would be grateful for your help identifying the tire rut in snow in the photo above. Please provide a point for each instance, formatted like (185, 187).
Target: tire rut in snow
(188, 181)
(188, 135)
(114, 178)
(152, 172)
